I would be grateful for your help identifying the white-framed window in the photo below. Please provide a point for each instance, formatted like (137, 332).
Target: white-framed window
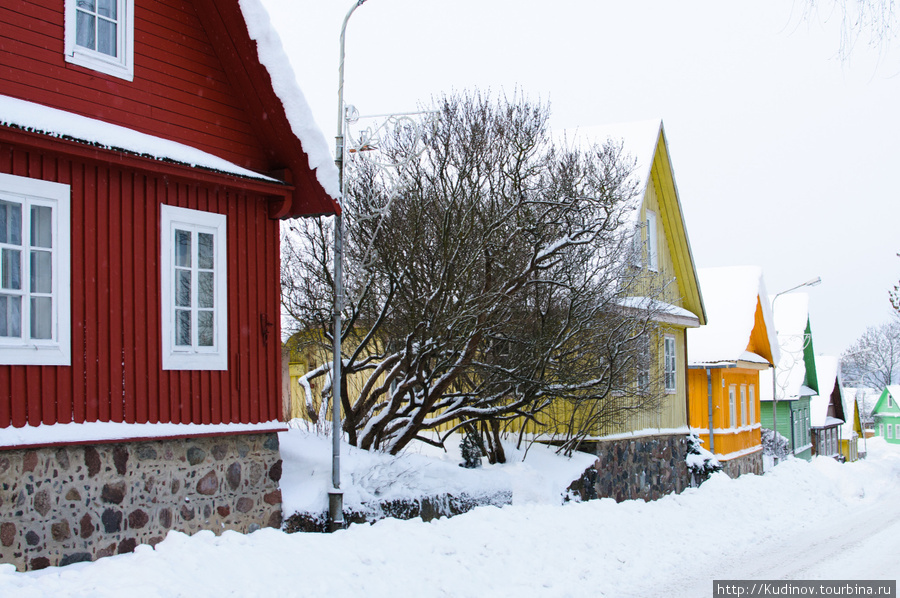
(744, 414)
(652, 243)
(890, 400)
(890, 431)
(896, 430)
(35, 262)
(881, 430)
(100, 36)
(670, 357)
(732, 407)
(194, 289)
(752, 400)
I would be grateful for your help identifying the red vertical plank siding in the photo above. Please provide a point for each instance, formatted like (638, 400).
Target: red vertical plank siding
(130, 298)
(102, 290)
(65, 376)
(116, 372)
(117, 302)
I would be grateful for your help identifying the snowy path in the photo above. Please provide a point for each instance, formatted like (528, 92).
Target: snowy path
(861, 544)
(819, 520)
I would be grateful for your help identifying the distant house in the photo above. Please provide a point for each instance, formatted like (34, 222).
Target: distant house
(644, 457)
(148, 151)
(887, 415)
(852, 430)
(725, 358)
(827, 409)
(795, 376)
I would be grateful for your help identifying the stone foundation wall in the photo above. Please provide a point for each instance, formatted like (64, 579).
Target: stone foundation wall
(63, 505)
(752, 463)
(647, 467)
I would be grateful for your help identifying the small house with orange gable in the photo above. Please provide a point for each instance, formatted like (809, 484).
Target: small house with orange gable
(724, 361)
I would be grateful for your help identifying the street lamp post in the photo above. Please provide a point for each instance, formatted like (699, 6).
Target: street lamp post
(809, 283)
(335, 495)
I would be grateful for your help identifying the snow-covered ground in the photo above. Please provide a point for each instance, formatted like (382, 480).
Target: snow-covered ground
(819, 520)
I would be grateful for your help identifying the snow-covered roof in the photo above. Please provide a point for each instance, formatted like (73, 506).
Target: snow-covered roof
(660, 307)
(791, 316)
(730, 295)
(639, 140)
(827, 376)
(59, 123)
(284, 82)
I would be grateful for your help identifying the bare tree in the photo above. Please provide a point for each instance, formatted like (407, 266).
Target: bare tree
(894, 295)
(874, 22)
(874, 359)
(486, 281)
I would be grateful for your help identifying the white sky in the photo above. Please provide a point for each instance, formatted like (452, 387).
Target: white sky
(783, 153)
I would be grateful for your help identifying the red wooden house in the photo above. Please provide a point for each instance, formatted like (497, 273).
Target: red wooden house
(145, 161)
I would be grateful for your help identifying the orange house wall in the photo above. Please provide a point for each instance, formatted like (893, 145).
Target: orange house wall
(725, 443)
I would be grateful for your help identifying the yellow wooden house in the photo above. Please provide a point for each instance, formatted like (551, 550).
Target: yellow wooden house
(725, 358)
(668, 268)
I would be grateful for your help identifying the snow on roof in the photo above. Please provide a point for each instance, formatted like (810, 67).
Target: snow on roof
(284, 82)
(730, 295)
(639, 140)
(791, 316)
(59, 123)
(826, 374)
(661, 307)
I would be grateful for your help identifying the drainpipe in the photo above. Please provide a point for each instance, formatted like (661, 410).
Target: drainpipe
(712, 444)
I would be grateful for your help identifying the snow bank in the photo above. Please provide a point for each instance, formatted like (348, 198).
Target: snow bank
(754, 525)
(422, 471)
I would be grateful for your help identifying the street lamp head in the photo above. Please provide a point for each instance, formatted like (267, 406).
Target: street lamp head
(811, 283)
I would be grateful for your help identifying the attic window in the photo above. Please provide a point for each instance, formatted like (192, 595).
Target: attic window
(100, 36)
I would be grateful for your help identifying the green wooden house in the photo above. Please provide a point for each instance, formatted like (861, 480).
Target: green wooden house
(795, 376)
(887, 415)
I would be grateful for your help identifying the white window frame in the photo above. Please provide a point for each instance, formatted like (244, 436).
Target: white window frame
(195, 357)
(890, 431)
(752, 402)
(121, 65)
(732, 405)
(57, 350)
(881, 430)
(896, 430)
(744, 414)
(652, 242)
(670, 364)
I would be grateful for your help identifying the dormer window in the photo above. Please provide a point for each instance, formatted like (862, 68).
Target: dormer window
(100, 36)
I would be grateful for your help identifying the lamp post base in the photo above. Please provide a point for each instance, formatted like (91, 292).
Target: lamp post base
(336, 509)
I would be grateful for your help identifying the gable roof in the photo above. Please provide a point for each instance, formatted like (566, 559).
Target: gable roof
(829, 394)
(881, 407)
(731, 296)
(645, 142)
(274, 128)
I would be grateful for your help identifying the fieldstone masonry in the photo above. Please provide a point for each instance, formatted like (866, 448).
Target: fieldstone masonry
(645, 467)
(752, 463)
(63, 505)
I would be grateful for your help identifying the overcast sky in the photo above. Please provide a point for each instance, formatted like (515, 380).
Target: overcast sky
(785, 155)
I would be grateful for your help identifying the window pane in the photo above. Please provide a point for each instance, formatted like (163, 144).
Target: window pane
(183, 288)
(205, 328)
(10, 223)
(41, 235)
(86, 5)
(11, 267)
(206, 251)
(84, 30)
(41, 317)
(10, 316)
(182, 328)
(106, 37)
(107, 8)
(206, 289)
(41, 272)
(183, 248)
